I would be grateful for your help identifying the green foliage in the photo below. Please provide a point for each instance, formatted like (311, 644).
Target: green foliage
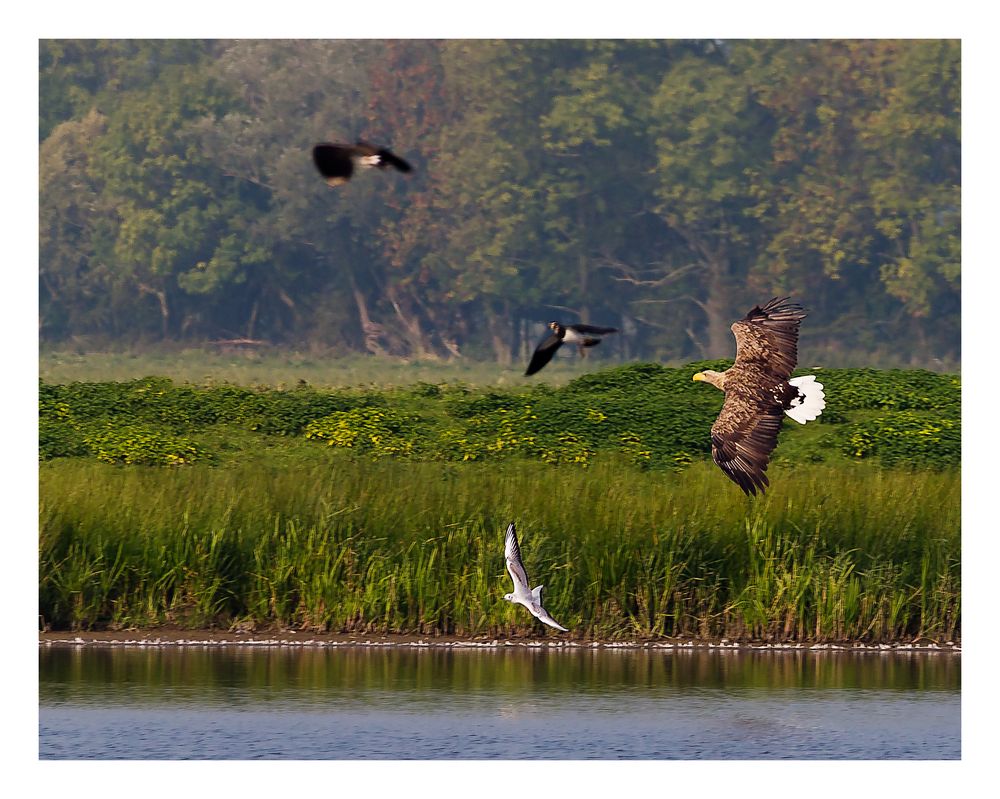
(375, 431)
(670, 185)
(892, 390)
(59, 438)
(907, 438)
(158, 401)
(135, 444)
(652, 416)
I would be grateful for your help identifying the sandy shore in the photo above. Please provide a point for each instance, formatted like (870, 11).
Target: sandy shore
(298, 638)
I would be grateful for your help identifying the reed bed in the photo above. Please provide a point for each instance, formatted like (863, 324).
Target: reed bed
(832, 552)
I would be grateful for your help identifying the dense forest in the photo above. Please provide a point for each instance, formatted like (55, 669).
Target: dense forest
(662, 187)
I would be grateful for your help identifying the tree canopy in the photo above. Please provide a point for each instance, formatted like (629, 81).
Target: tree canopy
(662, 187)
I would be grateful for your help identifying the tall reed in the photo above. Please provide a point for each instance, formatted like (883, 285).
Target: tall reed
(831, 552)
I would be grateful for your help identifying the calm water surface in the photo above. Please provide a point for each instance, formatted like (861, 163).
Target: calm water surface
(291, 703)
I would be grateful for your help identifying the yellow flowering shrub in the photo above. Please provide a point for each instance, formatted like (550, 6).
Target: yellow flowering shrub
(374, 431)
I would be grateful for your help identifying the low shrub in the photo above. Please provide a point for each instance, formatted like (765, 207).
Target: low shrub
(906, 438)
(375, 431)
(135, 444)
(653, 416)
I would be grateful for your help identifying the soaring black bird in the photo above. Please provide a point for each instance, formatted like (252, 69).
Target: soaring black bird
(760, 390)
(336, 162)
(581, 335)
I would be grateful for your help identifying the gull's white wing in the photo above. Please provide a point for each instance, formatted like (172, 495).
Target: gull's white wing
(545, 618)
(541, 613)
(512, 554)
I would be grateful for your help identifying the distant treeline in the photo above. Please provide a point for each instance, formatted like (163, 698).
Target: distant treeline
(663, 187)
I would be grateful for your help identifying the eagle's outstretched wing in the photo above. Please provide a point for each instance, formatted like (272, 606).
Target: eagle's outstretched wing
(768, 337)
(743, 437)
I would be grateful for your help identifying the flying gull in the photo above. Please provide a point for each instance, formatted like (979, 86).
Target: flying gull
(522, 595)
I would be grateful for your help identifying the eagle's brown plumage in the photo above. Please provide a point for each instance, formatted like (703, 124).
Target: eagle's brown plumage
(757, 392)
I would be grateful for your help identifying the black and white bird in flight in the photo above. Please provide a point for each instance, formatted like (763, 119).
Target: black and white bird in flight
(581, 335)
(337, 162)
(522, 595)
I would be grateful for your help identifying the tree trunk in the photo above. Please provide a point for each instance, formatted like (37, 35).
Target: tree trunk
(583, 270)
(371, 331)
(500, 339)
(161, 297)
(717, 307)
(719, 317)
(252, 321)
(414, 333)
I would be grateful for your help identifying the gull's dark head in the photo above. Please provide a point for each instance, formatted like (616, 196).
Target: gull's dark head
(555, 327)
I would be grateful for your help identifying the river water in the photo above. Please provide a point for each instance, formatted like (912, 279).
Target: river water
(510, 703)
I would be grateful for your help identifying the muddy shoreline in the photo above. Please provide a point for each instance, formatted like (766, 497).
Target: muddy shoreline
(301, 639)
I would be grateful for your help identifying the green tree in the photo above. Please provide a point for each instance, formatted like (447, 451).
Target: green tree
(860, 205)
(659, 186)
(914, 140)
(75, 75)
(75, 224)
(171, 219)
(712, 137)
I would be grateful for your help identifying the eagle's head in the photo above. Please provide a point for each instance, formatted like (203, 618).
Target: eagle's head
(710, 376)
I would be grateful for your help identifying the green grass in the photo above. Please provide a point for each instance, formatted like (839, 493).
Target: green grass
(205, 364)
(384, 509)
(285, 367)
(834, 551)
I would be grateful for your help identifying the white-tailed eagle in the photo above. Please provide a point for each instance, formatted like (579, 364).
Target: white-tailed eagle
(760, 391)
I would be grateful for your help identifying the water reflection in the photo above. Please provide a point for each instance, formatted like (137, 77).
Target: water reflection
(585, 703)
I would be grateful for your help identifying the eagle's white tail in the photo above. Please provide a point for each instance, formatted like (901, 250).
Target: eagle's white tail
(807, 407)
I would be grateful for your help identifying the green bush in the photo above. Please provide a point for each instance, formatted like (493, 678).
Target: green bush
(651, 415)
(135, 444)
(59, 439)
(58, 434)
(374, 431)
(186, 408)
(906, 438)
(891, 389)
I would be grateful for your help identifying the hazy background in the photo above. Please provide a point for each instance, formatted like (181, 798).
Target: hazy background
(662, 187)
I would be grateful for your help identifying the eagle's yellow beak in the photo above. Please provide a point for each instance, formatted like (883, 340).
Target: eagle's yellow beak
(698, 376)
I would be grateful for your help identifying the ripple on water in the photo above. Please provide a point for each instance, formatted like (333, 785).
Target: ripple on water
(486, 704)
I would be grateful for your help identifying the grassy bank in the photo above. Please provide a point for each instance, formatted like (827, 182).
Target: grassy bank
(834, 551)
(383, 509)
